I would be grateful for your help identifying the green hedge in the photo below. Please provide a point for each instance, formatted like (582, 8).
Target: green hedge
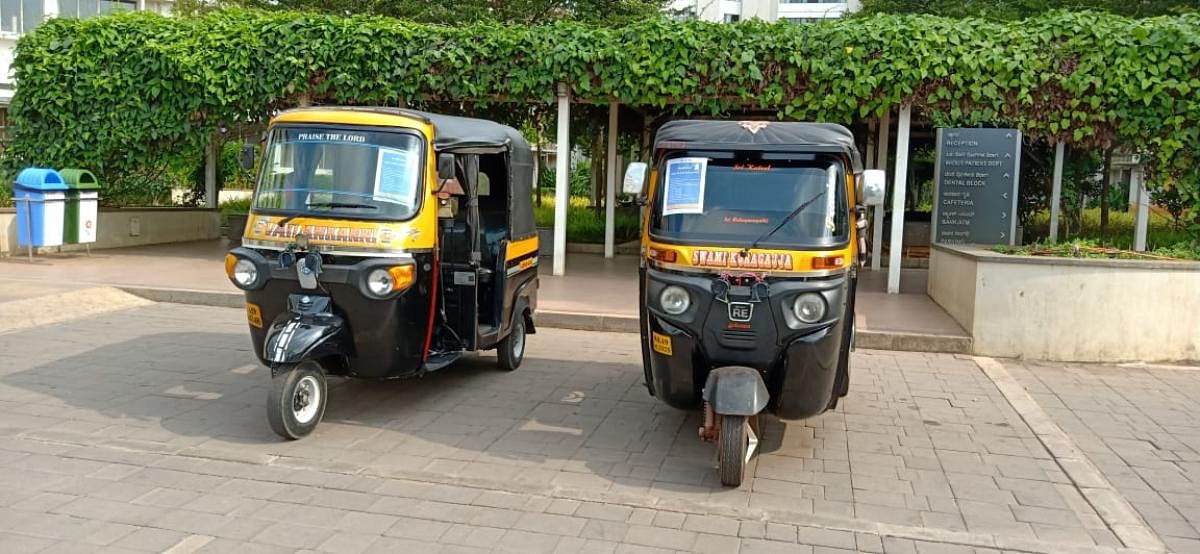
(115, 92)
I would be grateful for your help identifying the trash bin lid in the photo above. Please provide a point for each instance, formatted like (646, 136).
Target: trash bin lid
(79, 179)
(40, 178)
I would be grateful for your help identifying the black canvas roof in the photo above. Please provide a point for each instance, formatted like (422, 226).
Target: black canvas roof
(829, 137)
(452, 132)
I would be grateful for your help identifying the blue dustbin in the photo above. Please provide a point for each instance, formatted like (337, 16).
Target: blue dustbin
(40, 198)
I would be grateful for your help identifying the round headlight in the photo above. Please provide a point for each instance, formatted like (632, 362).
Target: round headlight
(674, 300)
(380, 282)
(809, 307)
(245, 272)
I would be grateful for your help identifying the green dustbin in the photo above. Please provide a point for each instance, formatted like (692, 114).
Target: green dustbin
(83, 201)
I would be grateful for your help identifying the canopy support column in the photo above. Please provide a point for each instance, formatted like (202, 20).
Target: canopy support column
(610, 199)
(1056, 190)
(881, 148)
(898, 193)
(561, 188)
(1137, 175)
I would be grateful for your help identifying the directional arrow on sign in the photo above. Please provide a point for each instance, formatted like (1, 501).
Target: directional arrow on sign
(1005, 195)
(1008, 135)
(1007, 176)
(1003, 215)
(1002, 235)
(1008, 155)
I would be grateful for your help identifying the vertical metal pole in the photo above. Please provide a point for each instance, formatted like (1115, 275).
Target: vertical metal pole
(29, 227)
(898, 193)
(1056, 190)
(881, 148)
(561, 187)
(1143, 208)
(610, 199)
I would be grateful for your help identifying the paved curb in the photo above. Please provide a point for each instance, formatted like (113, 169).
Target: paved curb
(912, 342)
(188, 296)
(581, 321)
(587, 322)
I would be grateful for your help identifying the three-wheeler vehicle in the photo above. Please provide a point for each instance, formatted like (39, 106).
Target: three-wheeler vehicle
(383, 243)
(751, 242)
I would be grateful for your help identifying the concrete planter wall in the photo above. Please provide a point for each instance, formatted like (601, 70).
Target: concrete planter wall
(120, 227)
(1069, 309)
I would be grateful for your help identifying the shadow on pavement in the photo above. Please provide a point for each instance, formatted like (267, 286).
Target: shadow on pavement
(567, 421)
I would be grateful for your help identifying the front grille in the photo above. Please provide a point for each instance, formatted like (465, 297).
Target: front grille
(736, 338)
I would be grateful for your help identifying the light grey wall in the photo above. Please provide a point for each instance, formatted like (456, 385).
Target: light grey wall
(1070, 309)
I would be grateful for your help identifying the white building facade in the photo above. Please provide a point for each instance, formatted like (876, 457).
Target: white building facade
(18, 17)
(795, 11)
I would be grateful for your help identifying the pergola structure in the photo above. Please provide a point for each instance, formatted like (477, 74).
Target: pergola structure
(877, 155)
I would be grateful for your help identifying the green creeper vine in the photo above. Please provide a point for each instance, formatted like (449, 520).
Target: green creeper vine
(113, 93)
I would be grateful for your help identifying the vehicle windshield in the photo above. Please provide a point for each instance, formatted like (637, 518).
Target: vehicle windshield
(728, 199)
(341, 172)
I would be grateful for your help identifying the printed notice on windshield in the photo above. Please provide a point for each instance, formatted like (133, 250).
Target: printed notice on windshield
(395, 176)
(683, 188)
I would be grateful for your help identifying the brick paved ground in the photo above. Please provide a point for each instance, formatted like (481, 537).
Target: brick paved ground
(1141, 427)
(145, 428)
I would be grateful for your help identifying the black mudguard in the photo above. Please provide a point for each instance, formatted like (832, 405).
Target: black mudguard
(736, 390)
(294, 337)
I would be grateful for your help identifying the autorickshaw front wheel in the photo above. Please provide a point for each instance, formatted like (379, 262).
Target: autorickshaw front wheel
(733, 446)
(296, 401)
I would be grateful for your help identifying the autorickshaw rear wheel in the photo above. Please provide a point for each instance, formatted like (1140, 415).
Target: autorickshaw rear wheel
(732, 446)
(511, 349)
(296, 401)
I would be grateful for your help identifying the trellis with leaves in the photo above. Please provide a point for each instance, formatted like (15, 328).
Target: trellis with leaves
(115, 92)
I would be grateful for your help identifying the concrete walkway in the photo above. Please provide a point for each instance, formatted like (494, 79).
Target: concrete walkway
(595, 293)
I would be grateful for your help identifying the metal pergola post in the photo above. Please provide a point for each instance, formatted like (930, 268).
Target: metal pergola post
(899, 191)
(561, 187)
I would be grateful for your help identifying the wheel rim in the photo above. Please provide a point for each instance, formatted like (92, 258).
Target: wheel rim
(518, 340)
(306, 399)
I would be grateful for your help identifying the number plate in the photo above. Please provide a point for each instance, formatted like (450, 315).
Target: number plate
(254, 315)
(740, 311)
(662, 343)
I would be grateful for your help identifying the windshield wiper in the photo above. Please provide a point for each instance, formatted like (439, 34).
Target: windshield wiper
(289, 218)
(341, 205)
(765, 236)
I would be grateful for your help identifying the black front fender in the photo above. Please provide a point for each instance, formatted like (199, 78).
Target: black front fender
(294, 337)
(736, 390)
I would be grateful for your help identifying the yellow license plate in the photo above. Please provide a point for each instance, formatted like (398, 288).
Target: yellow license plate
(662, 343)
(254, 315)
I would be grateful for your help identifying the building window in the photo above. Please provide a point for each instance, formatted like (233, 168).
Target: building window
(3, 126)
(20, 16)
(732, 18)
(686, 14)
(81, 9)
(812, 2)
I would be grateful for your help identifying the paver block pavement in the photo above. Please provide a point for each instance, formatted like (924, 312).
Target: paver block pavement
(159, 408)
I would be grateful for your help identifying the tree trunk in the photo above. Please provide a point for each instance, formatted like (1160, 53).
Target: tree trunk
(597, 167)
(1105, 187)
(537, 160)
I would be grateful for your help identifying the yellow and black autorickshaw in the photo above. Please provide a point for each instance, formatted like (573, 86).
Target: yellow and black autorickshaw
(384, 243)
(751, 243)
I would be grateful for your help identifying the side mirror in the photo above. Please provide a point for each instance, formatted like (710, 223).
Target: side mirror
(872, 187)
(635, 177)
(247, 157)
(445, 166)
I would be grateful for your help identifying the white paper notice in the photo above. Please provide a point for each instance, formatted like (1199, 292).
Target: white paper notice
(683, 187)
